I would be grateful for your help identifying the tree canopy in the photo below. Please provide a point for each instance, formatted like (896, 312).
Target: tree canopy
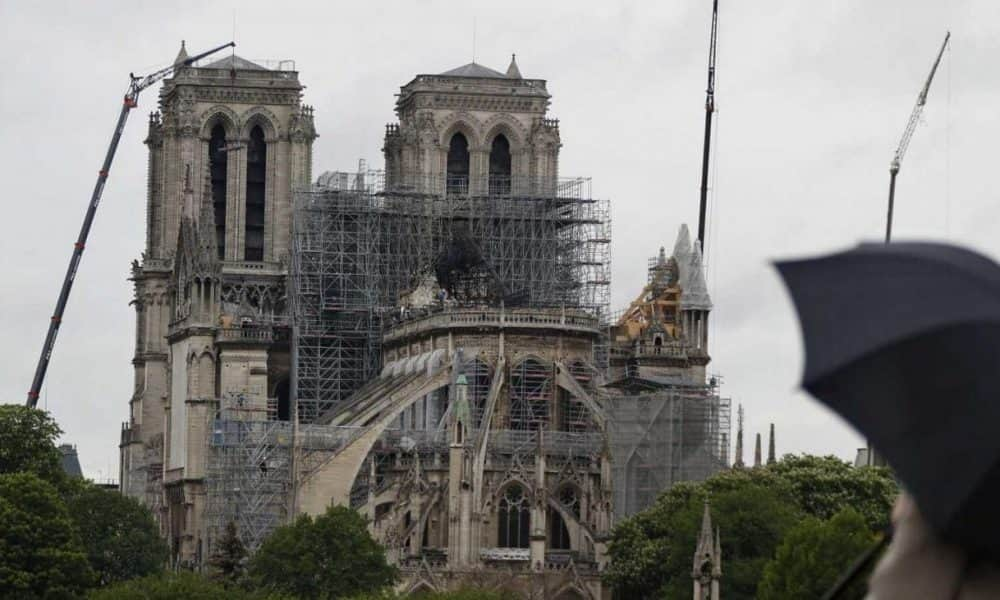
(229, 558)
(28, 443)
(41, 555)
(814, 554)
(467, 593)
(59, 534)
(652, 552)
(331, 556)
(182, 585)
(120, 537)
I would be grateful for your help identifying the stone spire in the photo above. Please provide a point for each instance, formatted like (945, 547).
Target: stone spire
(182, 55)
(756, 452)
(207, 242)
(512, 71)
(738, 460)
(695, 294)
(705, 541)
(707, 568)
(770, 447)
(682, 247)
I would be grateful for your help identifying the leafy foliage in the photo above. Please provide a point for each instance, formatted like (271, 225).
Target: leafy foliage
(813, 555)
(41, 555)
(229, 558)
(28, 443)
(468, 593)
(120, 537)
(179, 586)
(823, 485)
(331, 556)
(651, 553)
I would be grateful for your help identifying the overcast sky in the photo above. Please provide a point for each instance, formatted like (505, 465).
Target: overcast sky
(812, 98)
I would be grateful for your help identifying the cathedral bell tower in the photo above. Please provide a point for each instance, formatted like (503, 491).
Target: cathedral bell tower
(230, 142)
(472, 130)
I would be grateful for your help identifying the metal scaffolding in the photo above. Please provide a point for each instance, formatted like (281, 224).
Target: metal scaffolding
(248, 473)
(360, 244)
(679, 433)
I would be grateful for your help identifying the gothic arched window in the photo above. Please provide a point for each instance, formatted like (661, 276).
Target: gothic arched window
(217, 163)
(514, 519)
(558, 532)
(256, 179)
(500, 165)
(458, 164)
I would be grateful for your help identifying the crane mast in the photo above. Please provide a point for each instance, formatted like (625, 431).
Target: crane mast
(131, 100)
(904, 142)
(709, 110)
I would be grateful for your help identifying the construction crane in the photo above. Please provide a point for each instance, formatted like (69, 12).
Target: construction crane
(131, 100)
(911, 126)
(709, 110)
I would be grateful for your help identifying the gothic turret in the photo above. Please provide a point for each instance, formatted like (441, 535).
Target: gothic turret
(512, 71)
(771, 459)
(707, 567)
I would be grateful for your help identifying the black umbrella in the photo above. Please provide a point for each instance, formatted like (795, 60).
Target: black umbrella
(903, 341)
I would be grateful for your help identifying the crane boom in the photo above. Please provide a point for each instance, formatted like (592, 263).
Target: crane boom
(709, 109)
(136, 85)
(904, 142)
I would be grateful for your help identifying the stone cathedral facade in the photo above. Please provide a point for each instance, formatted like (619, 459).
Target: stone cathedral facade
(479, 446)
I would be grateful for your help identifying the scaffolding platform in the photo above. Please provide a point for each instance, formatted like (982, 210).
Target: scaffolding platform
(361, 241)
(659, 438)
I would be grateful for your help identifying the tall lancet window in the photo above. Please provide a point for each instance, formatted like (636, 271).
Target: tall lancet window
(458, 164)
(500, 166)
(217, 160)
(514, 518)
(256, 178)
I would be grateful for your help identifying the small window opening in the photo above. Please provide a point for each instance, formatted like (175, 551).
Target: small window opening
(500, 166)
(458, 165)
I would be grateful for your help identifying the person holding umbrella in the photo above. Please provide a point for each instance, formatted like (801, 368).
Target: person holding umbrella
(903, 341)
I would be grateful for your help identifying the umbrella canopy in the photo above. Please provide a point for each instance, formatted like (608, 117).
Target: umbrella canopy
(903, 341)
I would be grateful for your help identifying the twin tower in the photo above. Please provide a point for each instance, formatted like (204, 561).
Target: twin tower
(228, 147)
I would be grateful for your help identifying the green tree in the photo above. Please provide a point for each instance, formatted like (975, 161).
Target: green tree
(28, 443)
(41, 555)
(651, 552)
(754, 517)
(467, 593)
(823, 485)
(813, 555)
(229, 558)
(119, 534)
(331, 556)
(179, 586)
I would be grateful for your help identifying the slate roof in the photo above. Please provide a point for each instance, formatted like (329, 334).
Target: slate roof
(474, 70)
(234, 62)
(70, 461)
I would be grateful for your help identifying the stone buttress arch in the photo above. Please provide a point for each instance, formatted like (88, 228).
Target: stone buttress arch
(332, 481)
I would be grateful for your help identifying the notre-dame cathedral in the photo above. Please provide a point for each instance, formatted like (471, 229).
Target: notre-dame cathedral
(430, 343)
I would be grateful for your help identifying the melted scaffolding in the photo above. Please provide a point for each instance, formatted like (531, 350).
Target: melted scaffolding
(359, 244)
